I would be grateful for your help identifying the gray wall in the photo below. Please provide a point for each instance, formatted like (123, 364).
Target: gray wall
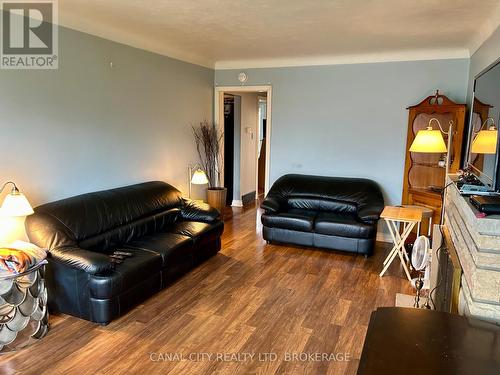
(349, 120)
(88, 126)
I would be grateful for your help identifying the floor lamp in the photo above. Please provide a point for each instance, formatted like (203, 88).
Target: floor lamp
(199, 177)
(432, 142)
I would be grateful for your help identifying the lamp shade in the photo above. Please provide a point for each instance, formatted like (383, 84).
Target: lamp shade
(428, 141)
(199, 178)
(16, 204)
(485, 142)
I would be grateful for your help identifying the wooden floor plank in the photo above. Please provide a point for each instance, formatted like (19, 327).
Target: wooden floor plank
(252, 298)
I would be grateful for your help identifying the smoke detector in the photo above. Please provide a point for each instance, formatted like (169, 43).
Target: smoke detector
(242, 77)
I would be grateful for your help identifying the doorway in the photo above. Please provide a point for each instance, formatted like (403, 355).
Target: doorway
(261, 153)
(243, 113)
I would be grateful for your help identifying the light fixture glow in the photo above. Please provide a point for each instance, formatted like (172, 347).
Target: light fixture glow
(485, 141)
(429, 141)
(15, 203)
(199, 178)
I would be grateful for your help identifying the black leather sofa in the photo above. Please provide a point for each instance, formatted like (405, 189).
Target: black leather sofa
(166, 235)
(326, 212)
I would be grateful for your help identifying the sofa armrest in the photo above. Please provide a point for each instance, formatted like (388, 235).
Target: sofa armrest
(197, 211)
(370, 213)
(271, 204)
(81, 259)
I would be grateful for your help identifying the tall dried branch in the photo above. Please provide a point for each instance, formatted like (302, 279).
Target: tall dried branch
(208, 141)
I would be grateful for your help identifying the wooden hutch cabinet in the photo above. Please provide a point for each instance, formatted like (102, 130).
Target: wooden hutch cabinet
(424, 174)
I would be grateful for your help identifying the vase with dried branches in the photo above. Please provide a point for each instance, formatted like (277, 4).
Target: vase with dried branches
(208, 140)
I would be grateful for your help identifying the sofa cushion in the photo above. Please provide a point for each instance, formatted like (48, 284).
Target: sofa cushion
(126, 274)
(321, 204)
(294, 219)
(198, 231)
(128, 232)
(343, 225)
(172, 247)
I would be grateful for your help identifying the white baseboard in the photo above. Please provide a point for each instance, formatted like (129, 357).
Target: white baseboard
(236, 203)
(383, 237)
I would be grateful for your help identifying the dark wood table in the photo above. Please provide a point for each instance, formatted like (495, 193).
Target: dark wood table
(418, 341)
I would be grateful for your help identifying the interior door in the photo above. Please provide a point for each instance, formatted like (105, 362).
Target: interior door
(229, 147)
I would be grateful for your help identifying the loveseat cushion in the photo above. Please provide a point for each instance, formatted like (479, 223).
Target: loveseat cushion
(293, 219)
(343, 225)
(172, 247)
(125, 275)
(322, 204)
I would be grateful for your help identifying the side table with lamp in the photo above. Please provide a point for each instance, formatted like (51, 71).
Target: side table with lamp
(23, 295)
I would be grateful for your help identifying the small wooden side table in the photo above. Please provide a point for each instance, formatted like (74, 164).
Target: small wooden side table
(427, 214)
(394, 216)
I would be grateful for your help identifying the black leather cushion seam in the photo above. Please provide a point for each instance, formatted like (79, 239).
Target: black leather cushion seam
(144, 249)
(137, 286)
(313, 231)
(320, 197)
(112, 280)
(140, 248)
(290, 219)
(343, 225)
(78, 288)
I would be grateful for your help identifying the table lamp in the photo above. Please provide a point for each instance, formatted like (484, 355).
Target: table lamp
(431, 141)
(15, 203)
(485, 141)
(199, 177)
(13, 211)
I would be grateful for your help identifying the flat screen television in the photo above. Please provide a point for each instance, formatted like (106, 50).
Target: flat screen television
(483, 147)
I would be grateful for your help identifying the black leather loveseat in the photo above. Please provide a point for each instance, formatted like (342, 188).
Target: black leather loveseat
(166, 235)
(326, 212)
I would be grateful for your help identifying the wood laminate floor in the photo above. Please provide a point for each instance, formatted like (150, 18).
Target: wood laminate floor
(252, 309)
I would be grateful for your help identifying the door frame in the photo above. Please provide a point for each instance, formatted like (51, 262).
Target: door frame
(219, 121)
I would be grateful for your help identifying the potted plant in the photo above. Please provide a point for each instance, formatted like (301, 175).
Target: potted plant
(208, 141)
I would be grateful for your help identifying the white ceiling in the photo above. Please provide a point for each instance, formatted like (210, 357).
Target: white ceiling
(261, 33)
